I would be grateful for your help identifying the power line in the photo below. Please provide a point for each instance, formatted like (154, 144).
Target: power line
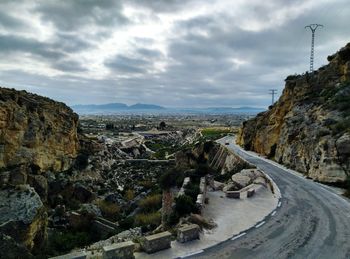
(313, 28)
(273, 92)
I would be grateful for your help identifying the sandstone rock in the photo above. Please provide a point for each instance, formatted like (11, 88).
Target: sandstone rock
(201, 221)
(90, 209)
(23, 216)
(242, 179)
(36, 130)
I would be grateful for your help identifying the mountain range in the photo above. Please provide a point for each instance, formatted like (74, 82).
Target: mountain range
(111, 108)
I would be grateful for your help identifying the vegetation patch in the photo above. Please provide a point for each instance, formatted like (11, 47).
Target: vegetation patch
(151, 203)
(64, 241)
(184, 205)
(109, 210)
(149, 220)
(216, 133)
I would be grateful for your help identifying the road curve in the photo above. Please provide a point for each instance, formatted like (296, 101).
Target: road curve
(312, 221)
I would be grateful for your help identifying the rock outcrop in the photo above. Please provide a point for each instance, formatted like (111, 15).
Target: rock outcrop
(37, 131)
(308, 128)
(216, 156)
(23, 216)
(38, 138)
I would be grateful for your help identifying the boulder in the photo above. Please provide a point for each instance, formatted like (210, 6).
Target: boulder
(83, 194)
(23, 216)
(201, 221)
(90, 209)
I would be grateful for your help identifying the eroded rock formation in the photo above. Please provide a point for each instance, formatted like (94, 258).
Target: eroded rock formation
(37, 131)
(38, 137)
(308, 128)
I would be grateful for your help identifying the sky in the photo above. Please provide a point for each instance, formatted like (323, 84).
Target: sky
(174, 53)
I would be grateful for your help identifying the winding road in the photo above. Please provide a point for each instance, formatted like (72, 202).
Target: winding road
(312, 221)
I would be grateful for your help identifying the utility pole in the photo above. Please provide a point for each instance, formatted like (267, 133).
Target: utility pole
(313, 28)
(273, 92)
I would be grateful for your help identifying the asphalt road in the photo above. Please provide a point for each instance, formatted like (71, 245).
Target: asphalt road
(312, 221)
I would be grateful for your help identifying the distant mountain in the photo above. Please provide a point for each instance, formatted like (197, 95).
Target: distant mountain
(141, 106)
(113, 108)
(239, 109)
(101, 106)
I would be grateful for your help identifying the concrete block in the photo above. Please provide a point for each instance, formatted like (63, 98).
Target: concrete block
(233, 194)
(102, 229)
(76, 255)
(124, 250)
(188, 233)
(250, 193)
(153, 243)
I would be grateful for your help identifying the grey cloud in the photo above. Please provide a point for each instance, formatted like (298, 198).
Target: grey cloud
(10, 44)
(70, 42)
(8, 21)
(149, 53)
(162, 6)
(126, 64)
(200, 68)
(71, 15)
(69, 66)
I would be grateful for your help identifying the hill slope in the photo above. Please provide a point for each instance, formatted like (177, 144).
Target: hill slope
(308, 128)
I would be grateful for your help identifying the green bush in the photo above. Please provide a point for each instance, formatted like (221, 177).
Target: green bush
(192, 190)
(109, 210)
(169, 179)
(341, 126)
(184, 205)
(127, 223)
(61, 242)
(151, 203)
(82, 161)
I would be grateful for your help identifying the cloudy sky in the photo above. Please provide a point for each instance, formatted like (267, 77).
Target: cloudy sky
(176, 53)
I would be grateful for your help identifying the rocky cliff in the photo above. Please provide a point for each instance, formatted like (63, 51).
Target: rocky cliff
(38, 138)
(37, 131)
(308, 128)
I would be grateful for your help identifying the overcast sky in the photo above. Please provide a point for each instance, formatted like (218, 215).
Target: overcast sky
(169, 52)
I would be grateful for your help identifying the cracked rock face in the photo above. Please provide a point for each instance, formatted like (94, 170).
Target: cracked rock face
(308, 128)
(36, 130)
(23, 216)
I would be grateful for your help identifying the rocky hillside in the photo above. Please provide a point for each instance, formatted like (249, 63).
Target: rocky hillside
(38, 137)
(37, 131)
(308, 128)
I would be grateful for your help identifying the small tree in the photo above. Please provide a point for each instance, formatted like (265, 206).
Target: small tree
(162, 125)
(167, 181)
(184, 205)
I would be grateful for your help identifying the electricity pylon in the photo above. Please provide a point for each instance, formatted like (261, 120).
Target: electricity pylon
(313, 28)
(273, 92)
